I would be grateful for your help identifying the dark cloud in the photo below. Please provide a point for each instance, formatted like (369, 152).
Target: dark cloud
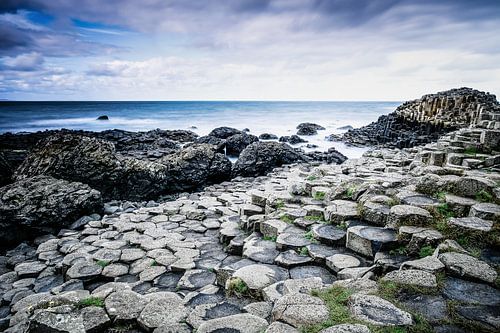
(12, 6)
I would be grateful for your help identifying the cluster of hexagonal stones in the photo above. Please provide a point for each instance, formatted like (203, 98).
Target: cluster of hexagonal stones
(246, 256)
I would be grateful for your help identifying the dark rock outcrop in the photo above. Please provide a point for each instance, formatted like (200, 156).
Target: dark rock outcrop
(292, 139)
(195, 166)
(94, 162)
(6, 170)
(330, 156)
(261, 157)
(268, 136)
(224, 132)
(236, 143)
(103, 117)
(308, 129)
(37, 205)
(426, 119)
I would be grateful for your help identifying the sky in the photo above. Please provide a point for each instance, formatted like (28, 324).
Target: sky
(388, 50)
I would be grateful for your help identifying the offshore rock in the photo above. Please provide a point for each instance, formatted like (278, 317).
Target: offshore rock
(42, 204)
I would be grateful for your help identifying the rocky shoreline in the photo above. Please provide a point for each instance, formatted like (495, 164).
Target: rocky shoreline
(399, 240)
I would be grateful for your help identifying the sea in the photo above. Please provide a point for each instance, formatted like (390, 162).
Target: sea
(276, 117)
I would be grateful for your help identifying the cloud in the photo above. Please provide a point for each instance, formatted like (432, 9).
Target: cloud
(24, 62)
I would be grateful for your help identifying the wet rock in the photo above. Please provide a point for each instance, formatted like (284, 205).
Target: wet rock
(224, 132)
(207, 312)
(235, 144)
(328, 234)
(304, 272)
(292, 139)
(308, 129)
(290, 258)
(195, 279)
(432, 308)
(471, 292)
(370, 240)
(267, 136)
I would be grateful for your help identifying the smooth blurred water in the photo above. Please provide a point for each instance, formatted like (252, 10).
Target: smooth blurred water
(280, 118)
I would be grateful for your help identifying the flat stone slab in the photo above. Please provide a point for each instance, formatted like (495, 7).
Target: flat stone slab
(328, 234)
(303, 272)
(346, 328)
(432, 308)
(487, 317)
(84, 271)
(241, 323)
(376, 213)
(341, 210)
(291, 258)
(259, 250)
(338, 262)
(430, 264)
(412, 277)
(165, 308)
(370, 240)
(29, 269)
(300, 310)
(408, 215)
(196, 279)
(463, 265)
(205, 312)
(472, 223)
(421, 201)
(377, 311)
(272, 228)
(293, 241)
(125, 305)
(485, 210)
(259, 276)
(471, 292)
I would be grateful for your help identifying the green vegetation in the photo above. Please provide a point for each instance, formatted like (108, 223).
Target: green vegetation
(91, 301)
(279, 204)
(335, 299)
(238, 287)
(342, 226)
(319, 195)
(270, 238)
(154, 263)
(483, 196)
(315, 218)
(393, 202)
(445, 211)
(303, 251)
(471, 151)
(351, 191)
(309, 235)
(103, 263)
(402, 250)
(287, 219)
(312, 178)
(425, 251)
(440, 195)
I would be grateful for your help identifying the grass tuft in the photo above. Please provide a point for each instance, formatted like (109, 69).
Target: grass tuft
(91, 301)
(103, 263)
(319, 195)
(483, 196)
(425, 251)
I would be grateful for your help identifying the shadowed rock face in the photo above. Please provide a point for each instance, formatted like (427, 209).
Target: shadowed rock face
(41, 204)
(96, 163)
(424, 120)
(261, 157)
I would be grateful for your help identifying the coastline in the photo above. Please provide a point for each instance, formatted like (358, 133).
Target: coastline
(412, 222)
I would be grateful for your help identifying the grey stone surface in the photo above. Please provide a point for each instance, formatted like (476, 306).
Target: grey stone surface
(300, 310)
(242, 323)
(377, 311)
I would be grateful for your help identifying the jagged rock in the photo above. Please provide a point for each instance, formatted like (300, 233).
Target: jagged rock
(308, 129)
(471, 224)
(377, 311)
(224, 132)
(488, 318)
(235, 144)
(261, 157)
(268, 136)
(300, 310)
(292, 139)
(487, 211)
(467, 266)
(340, 211)
(242, 323)
(33, 206)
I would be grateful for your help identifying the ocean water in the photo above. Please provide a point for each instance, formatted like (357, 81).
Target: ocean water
(280, 118)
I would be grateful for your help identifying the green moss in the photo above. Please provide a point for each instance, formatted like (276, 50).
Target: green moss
(303, 251)
(319, 195)
(483, 196)
(402, 250)
(471, 151)
(315, 218)
(103, 263)
(312, 178)
(440, 195)
(270, 238)
(309, 236)
(445, 211)
(91, 301)
(237, 287)
(393, 202)
(342, 226)
(351, 191)
(287, 219)
(335, 299)
(425, 251)
(154, 263)
(279, 204)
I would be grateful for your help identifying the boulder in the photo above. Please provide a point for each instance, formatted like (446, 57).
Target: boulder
(377, 311)
(236, 143)
(224, 132)
(242, 323)
(308, 129)
(292, 139)
(463, 265)
(268, 136)
(41, 204)
(300, 310)
(260, 158)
